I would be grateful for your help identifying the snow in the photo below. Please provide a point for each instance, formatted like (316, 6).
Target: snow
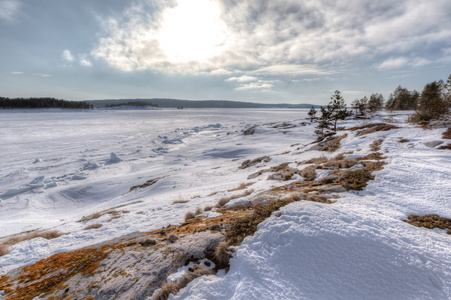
(59, 166)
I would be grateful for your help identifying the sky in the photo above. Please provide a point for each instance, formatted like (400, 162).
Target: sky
(266, 51)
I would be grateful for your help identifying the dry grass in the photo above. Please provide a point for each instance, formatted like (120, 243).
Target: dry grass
(370, 128)
(447, 134)
(401, 140)
(93, 226)
(222, 255)
(316, 161)
(334, 145)
(446, 147)
(173, 287)
(223, 201)
(241, 227)
(430, 221)
(115, 214)
(340, 163)
(376, 145)
(46, 234)
(242, 186)
(190, 215)
(374, 165)
(372, 156)
(208, 208)
(309, 173)
(294, 196)
(180, 202)
(356, 179)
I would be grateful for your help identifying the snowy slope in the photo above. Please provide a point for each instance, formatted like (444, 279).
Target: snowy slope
(58, 167)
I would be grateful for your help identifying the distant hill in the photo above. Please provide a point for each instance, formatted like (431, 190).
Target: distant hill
(175, 103)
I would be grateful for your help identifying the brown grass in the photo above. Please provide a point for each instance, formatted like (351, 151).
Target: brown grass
(356, 179)
(374, 165)
(429, 221)
(173, 287)
(372, 156)
(341, 163)
(241, 227)
(190, 215)
(222, 255)
(446, 147)
(180, 202)
(93, 226)
(401, 140)
(334, 145)
(370, 128)
(46, 234)
(447, 134)
(115, 214)
(223, 201)
(309, 173)
(208, 208)
(376, 145)
(242, 186)
(316, 161)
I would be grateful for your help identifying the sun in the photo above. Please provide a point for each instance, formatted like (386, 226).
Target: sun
(192, 31)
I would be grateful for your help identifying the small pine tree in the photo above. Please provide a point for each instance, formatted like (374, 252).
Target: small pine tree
(433, 101)
(337, 109)
(324, 120)
(312, 113)
(376, 102)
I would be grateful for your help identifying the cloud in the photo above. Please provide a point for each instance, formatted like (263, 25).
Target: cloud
(244, 78)
(9, 10)
(42, 75)
(270, 37)
(85, 62)
(393, 63)
(258, 85)
(16, 73)
(67, 56)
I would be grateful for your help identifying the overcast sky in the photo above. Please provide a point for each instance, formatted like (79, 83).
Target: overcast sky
(269, 51)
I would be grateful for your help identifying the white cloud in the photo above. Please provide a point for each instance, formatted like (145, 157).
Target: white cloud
(67, 56)
(9, 10)
(419, 62)
(266, 37)
(16, 73)
(393, 63)
(244, 78)
(85, 62)
(257, 85)
(42, 75)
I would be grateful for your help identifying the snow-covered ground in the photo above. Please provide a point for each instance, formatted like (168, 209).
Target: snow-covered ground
(57, 167)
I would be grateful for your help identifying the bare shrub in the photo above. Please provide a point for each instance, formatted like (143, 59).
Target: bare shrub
(180, 202)
(223, 201)
(172, 238)
(309, 173)
(190, 215)
(376, 145)
(222, 255)
(93, 226)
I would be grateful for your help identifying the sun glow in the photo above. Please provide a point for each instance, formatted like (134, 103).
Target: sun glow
(192, 31)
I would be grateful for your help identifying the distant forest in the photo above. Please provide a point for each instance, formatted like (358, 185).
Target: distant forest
(7, 103)
(132, 103)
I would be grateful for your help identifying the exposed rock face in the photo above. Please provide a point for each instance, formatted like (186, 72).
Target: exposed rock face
(127, 268)
(433, 144)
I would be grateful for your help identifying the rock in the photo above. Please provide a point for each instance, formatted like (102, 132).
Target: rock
(250, 130)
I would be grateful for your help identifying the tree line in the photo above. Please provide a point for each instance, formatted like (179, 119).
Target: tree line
(432, 103)
(132, 103)
(7, 103)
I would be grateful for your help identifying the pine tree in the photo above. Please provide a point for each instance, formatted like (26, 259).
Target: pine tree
(312, 113)
(337, 109)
